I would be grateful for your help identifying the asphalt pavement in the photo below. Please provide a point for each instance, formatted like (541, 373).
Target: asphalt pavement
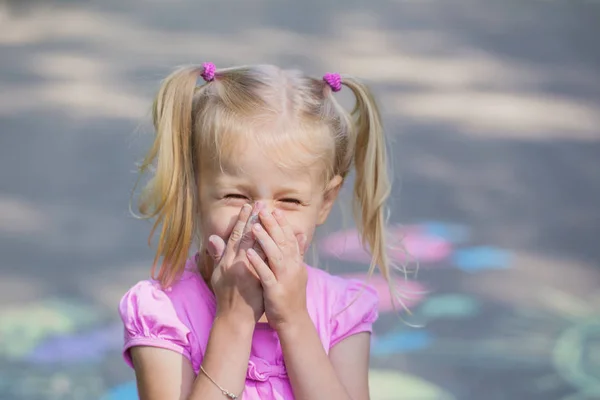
(493, 113)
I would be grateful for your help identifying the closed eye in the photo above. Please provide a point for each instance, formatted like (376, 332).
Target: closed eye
(291, 201)
(235, 196)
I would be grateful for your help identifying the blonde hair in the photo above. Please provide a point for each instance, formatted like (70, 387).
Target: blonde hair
(197, 123)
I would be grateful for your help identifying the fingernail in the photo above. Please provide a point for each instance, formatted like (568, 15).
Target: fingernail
(246, 207)
(253, 219)
(251, 253)
(264, 213)
(257, 227)
(277, 213)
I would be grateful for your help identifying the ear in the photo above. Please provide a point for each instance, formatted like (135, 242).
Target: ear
(331, 193)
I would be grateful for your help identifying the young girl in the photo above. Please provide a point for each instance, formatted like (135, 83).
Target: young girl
(247, 162)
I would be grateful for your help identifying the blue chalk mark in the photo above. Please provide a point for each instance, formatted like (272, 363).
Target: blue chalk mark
(450, 306)
(126, 391)
(85, 347)
(474, 259)
(453, 233)
(401, 342)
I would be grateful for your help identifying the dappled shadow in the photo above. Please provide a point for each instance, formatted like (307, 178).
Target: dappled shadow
(493, 109)
(527, 195)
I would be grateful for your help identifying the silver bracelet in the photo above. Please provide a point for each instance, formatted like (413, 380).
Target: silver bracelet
(225, 392)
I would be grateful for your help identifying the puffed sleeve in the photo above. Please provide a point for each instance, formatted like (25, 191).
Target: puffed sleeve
(150, 319)
(355, 310)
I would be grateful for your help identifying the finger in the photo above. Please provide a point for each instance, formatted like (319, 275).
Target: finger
(285, 226)
(247, 240)
(272, 227)
(216, 247)
(256, 247)
(272, 251)
(237, 233)
(266, 276)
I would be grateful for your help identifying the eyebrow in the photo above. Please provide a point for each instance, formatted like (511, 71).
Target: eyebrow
(289, 190)
(234, 182)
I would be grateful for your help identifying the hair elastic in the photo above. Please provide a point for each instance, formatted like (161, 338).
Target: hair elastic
(209, 71)
(334, 80)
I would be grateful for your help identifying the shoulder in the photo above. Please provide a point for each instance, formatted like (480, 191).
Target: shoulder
(336, 290)
(175, 318)
(349, 305)
(187, 291)
(148, 298)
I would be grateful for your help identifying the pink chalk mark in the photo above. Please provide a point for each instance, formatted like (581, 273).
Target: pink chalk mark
(413, 292)
(420, 246)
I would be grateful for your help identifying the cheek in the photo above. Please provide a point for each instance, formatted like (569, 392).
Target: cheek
(219, 221)
(309, 236)
(302, 223)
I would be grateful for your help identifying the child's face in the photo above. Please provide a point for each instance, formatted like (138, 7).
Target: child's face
(251, 178)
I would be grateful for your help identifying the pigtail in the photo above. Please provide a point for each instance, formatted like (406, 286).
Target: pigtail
(170, 197)
(372, 184)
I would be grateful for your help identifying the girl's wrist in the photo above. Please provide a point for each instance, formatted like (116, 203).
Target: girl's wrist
(237, 324)
(294, 327)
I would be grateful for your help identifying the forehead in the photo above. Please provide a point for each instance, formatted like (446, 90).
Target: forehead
(268, 153)
(267, 168)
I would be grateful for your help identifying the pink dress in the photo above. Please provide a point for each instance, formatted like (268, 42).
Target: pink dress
(179, 319)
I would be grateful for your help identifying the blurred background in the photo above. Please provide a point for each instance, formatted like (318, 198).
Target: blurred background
(493, 111)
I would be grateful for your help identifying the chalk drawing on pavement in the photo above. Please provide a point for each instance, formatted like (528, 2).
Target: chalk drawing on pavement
(24, 327)
(394, 385)
(67, 349)
(431, 245)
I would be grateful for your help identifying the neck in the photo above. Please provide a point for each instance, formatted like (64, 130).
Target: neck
(205, 266)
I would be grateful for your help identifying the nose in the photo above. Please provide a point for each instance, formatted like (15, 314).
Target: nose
(262, 204)
(257, 207)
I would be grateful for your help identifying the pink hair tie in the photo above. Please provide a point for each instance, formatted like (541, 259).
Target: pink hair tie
(334, 81)
(209, 71)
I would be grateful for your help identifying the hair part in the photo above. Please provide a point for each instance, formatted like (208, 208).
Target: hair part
(200, 124)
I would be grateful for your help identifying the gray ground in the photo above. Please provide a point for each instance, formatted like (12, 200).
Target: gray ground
(494, 112)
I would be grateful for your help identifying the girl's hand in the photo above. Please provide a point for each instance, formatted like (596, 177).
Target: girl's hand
(237, 290)
(284, 277)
